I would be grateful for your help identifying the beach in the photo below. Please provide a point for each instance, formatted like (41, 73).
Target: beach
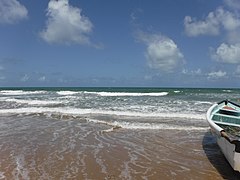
(110, 133)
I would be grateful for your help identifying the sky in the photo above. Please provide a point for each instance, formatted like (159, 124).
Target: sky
(135, 43)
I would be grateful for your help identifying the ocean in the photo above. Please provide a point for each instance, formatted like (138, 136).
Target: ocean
(110, 133)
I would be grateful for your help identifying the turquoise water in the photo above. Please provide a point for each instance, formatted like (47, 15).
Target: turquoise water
(151, 105)
(141, 101)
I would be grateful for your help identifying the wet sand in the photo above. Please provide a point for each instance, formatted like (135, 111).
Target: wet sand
(35, 147)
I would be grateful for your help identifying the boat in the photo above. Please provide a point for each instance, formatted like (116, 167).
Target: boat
(224, 121)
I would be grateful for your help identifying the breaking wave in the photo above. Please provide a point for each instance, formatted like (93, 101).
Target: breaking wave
(20, 92)
(127, 94)
(80, 112)
(65, 93)
(140, 125)
(33, 102)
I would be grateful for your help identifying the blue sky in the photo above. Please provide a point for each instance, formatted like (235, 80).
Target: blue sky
(167, 43)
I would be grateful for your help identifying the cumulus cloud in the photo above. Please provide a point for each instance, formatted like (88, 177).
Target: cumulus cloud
(227, 53)
(217, 74)
(162, 52)
(11, 11)
(228, 20)
(208, 27)
(219, 21)
(66, 24)
(234, 4)
(212, 24)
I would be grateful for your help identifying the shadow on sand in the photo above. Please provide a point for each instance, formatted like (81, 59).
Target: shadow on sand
(217, 158)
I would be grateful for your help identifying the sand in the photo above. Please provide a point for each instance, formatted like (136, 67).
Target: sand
(53, 148)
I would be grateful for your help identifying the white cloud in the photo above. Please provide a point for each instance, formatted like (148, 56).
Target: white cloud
(212, 24)
(216, 74)
(192, 72)
(233, 37)
(25, 78)
(11, 11)
(66, 24)
(228, 20)
(135, 13)
(162, 53)
(43, 78)
(208, 27)
(234, 4)
(227, 53)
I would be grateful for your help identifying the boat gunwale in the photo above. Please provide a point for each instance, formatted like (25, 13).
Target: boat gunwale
(220, 131)
(230, 146)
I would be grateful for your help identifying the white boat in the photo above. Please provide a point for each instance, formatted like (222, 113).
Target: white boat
(224, 121)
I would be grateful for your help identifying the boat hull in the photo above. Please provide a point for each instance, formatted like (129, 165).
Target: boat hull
(229, 147)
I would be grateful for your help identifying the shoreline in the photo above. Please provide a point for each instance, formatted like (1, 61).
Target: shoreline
(59, 148)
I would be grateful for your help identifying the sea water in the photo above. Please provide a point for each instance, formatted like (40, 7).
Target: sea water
(110, 133)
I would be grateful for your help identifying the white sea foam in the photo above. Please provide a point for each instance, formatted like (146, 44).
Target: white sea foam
(20, 92)
(69, 97)
(112, 94)
(20, 170)
(127, 125)
(33, 102)
(78, 111)
(64, 93)
(98, 121)
(227, 90)
(202, 102)
(139, 125)
(2, 175)
(107, 130)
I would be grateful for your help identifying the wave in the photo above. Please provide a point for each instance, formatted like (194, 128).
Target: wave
(20, 92)
(33, 102)
(227, 90)
(80, 112)
(203, 102)
(64, 93)
(177, 91)
(139, 125)
(112, 94)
